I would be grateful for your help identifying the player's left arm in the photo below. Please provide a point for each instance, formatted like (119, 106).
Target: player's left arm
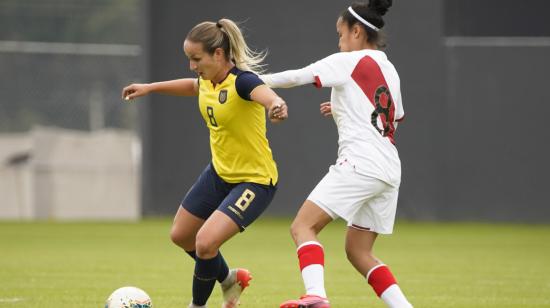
(276, 107)
(326, 109)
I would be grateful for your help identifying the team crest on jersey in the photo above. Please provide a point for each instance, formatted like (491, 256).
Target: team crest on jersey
(222, 98)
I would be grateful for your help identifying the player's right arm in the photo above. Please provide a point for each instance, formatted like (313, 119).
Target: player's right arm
(289, 79)
(177, 87)
(327, 72)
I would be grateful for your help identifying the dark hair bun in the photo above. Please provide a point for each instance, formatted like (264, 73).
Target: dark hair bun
(380, 6)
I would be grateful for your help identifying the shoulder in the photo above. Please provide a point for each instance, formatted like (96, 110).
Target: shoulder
(333, 58)
(244, 76)
(377, 55)
(245, 82)
(339, 60)
(351, 56)
(334, 69)
(341, 56)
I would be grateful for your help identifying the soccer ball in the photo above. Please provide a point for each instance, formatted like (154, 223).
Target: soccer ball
(129, 297)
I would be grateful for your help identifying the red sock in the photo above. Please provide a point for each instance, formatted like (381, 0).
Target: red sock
(312, 262)
(380, 278)
(310, 253)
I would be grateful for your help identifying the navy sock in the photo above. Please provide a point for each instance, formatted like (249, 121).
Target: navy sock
(192, 254)
(224, 269)
(204, 279)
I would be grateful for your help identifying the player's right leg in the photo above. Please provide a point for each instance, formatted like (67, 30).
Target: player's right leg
(198, 204)
(217, 229)
(184, 230)
(196, 208)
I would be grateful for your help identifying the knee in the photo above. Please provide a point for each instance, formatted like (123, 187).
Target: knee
(205, 246)
(181, 239)
(302, 231)
(176, 237)
(295, 230)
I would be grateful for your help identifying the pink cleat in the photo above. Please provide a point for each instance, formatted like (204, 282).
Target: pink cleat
(307, 301)
(238, 280)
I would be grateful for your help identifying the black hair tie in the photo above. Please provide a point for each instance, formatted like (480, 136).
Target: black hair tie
(218, 25)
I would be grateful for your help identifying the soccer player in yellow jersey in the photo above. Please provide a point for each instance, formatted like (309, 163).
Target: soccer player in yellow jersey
(240, 182)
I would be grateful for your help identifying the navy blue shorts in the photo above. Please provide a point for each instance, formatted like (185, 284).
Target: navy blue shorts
(242, 202)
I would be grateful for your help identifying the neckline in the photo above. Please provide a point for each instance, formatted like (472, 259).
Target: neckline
(224, 78)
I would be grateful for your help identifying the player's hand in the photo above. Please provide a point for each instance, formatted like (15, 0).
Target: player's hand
(278, 111)
(135, 90)
(326, 109)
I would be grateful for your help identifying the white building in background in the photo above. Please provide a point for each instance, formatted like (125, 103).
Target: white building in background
(60, 174)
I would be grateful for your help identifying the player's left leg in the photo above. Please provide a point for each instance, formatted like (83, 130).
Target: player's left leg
(376, 216)
(233, 286)
(359, 245)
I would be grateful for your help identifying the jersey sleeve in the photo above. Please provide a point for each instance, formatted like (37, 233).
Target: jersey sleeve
(290, 78)
(245, 83)
(328, 72)
(331, 71)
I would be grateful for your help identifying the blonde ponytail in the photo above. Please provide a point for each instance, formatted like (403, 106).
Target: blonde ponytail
(227, 35)
(245, 58)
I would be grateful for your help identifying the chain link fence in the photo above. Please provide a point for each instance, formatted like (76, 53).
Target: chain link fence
(64, 62)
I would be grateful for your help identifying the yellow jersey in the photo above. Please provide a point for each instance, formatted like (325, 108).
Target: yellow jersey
(237, 125)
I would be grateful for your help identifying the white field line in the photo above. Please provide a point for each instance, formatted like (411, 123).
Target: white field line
(11, 300)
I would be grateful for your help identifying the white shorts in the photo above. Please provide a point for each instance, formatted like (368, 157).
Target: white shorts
(366, 203)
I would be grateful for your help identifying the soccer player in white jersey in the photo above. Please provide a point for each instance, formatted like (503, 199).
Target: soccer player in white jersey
(362, 186)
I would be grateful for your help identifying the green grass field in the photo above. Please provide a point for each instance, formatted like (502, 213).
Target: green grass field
(437, 264)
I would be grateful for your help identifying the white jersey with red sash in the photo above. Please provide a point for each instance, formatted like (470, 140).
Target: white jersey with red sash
(366, 106)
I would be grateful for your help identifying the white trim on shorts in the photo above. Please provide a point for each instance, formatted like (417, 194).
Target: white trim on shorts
(365, 202)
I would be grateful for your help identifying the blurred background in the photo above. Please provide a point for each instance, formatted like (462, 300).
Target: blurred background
(474, 146)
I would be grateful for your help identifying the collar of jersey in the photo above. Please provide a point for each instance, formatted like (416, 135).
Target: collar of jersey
(234, 70)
